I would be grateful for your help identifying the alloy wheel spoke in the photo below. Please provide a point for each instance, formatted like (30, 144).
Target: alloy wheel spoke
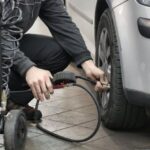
(103, 46)
(109, 73)
(105, 66)
(103, 39)
(104, 54)
(101, 54)
(108, 52)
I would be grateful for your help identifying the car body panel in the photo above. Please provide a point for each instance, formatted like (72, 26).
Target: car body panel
(83, 15)
(115, 3)
(86, 6)
(83, 12)
(134, 48)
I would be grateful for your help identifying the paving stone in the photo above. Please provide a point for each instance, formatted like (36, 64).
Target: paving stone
(33, 145)
(75, 132)
(90, 124)
(1, 139)
(45, 142)
(68, 92)
(52, 125)
(100, 134)
(88, 109)
(32, 134)
(1, 142)
(59, 146)
(123, 141)
(49, 110)
(107, 143)
(33, 102)
(73, 103)
(2, 148)
(142, 148)
(138, 139)
(73, 117)
(34, 129)
(85, 147)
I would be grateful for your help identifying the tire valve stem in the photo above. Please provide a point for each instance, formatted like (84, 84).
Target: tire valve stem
(3, 101)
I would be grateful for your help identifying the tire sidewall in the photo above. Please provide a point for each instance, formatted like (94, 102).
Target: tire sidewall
(107, 22)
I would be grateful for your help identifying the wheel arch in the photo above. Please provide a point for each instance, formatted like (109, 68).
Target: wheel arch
(101, 6)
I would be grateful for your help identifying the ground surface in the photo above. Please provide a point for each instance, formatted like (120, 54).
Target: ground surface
(70, 112)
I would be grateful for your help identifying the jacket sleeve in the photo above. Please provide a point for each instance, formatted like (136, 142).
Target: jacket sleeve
(54, 15)
(22, 63)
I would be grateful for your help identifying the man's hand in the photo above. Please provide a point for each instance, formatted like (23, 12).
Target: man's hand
(39, 82)
(95, 74)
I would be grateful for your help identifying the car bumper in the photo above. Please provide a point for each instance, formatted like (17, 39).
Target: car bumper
(133, 38)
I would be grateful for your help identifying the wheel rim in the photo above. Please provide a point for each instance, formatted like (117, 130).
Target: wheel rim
(104, 62)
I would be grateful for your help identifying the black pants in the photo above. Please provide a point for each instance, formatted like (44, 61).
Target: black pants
(46, 53)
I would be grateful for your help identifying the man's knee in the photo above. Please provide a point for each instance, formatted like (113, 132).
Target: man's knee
(56, 63)
(45, 52)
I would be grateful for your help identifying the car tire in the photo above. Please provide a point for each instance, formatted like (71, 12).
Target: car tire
(116, 111)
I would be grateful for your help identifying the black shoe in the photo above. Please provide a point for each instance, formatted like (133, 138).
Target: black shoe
(32, 114)
(11, 105)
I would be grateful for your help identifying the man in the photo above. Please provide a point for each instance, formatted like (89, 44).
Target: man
(41, 56)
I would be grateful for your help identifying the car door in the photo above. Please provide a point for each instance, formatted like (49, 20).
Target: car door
(83, 13)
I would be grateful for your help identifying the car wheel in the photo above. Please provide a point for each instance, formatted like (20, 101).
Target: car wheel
(116, 112)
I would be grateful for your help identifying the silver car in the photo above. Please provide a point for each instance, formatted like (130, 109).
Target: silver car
(120, 29)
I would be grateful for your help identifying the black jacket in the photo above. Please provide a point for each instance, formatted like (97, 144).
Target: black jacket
(54, 15)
